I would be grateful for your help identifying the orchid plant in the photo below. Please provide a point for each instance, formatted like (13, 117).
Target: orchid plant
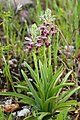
(46, 95)
(41, 37)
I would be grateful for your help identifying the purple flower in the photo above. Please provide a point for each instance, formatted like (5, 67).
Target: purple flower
(47, 24)
(29, 48)
(38, 45)
(39, 40)
(52, 27)
(31, 43)
(28, 39)
(42, 33)
(54, 32)
(43, 38)
(42, 27)
(46, 32)
(47, 43)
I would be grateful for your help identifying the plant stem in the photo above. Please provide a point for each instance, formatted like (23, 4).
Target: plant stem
(36, 65)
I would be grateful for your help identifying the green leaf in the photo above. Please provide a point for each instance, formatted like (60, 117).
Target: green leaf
(64, 93)
(41, 92)
(58, 77)
(43, 114)
(28, 100)
(50, 73)
(49, 100)
(56, 89)
(35, 95)
(21, 86)
(54, 80)
(62, 115)
(33, 74)
(66, 77)
(31, 118)
(69, 94)
(10, 117)
(64, 80)
(66, 105)
(1, 115)
(43, 75)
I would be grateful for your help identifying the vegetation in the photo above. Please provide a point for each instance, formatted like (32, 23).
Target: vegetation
(40, 58)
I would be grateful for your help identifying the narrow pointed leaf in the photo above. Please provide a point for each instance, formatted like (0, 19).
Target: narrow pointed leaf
(43, 114)
(62, 115)
(64, 80)
(28, 100)
(56, 89)
(66, 77)
(56, 76)
(71, 93)
(35, 95)
(67, 104)
(33, 74)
